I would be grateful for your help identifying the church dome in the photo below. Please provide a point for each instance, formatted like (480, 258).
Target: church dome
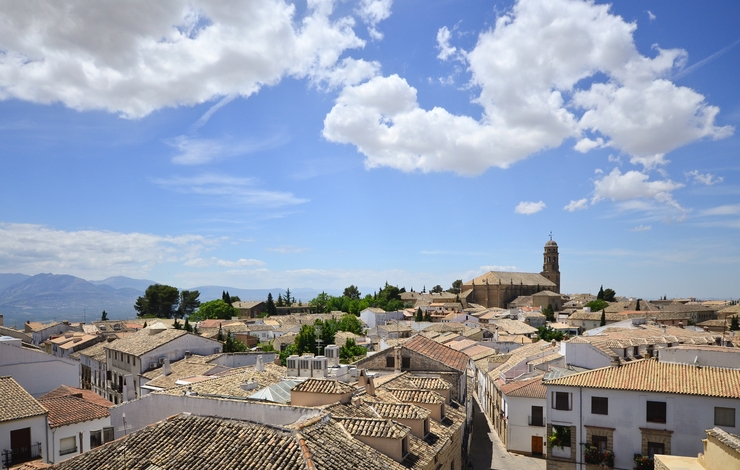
(551, 243)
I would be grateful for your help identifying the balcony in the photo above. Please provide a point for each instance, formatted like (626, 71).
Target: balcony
(20, 455)
(536, 421)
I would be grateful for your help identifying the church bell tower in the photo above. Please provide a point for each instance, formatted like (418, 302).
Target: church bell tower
(551, 265)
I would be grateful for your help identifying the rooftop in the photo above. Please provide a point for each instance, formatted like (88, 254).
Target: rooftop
(71, 409)
(649, 375)
(438, 352)
(88, 395)
(505, 277)
(532, 388)
(373, 427)
(17, 403)
(142, 342)
(325, 386)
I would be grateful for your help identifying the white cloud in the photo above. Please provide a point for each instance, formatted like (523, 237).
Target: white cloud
(287, 249)
(373, 12)
(651, 15)
(150, 55)
(634, 185)
(92, 254)
(233, 190)
(529, 208)
(578, 205)
(213, 261)
(198, 151)
(586, 144)
(443, 44)
(641, 228)
(541, 62)
(613, 159)
(729, 209)
(706, 179)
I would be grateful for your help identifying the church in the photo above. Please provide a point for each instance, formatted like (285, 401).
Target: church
(499, 288)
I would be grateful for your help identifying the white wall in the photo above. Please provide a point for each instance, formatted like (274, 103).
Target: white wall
(718, 357)
(688, 416)
(176, 348)
(73, 430)
(584, 355)
(38, 432)
(520, 432)
(155, 407)
(36, 371)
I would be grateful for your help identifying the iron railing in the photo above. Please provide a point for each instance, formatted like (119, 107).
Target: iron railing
(21, 454)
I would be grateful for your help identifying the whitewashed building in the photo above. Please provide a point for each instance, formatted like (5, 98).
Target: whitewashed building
(22, 425)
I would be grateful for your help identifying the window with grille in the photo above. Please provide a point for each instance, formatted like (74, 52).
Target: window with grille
(724, 416)
(67, 445)
(599, 442)
(561, 400)
(389, 362)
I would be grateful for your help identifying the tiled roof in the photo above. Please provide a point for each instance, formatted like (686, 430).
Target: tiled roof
(399, 410)
(369, 427)
(649, 375)
(525, 388)
(179, 370)
(514, 327)
(142, 342)
(505, 277)
(438, 352)
(96, 351)
(89, 395)
(730, 440)
(66, 410)
(430, 383)
(16, 402)
(417, 396)
(326, 386)
(229, 384)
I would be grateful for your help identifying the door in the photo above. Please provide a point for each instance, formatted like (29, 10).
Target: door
(20, 444)
(537, 445)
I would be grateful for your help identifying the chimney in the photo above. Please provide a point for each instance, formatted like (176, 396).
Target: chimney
(188, 354)
(680, 324)
(495, 335)
(663, 327)
(397, 358)
(370, 386)
(259, 366)
(166, 367)
(250, 385)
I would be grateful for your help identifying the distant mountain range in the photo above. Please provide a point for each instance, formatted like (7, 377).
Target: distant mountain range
(47, 297)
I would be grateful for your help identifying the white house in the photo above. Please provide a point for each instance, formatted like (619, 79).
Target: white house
(374, 317)
(36, 371)
(128, 358)
(22, 424)
(75, 426)
(524, 407)
(642, 407)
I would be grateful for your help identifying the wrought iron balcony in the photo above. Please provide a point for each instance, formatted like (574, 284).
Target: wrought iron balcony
(21, 454)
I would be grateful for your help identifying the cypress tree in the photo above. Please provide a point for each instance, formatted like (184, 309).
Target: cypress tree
(603, 317)
(637, 308)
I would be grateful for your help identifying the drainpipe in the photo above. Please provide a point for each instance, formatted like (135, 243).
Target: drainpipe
(580, 427)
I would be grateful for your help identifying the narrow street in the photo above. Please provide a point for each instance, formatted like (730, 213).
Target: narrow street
(487, 452)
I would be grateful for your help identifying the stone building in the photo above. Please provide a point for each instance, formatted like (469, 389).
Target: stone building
(497, 289)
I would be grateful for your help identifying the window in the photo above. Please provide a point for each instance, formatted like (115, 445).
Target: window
(107, 434)
(636, 351)
(599, 405)
(68, 445)
(656, 412)
(406, 362)
(655, 448)
(96, 439)
(561, 400)
(404, 446)
(389, 362)
(536, 418)
(599, 442)
(724, 417)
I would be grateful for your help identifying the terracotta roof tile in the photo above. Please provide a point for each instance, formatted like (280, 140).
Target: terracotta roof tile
(369, 427)
(391, 410)
(70, 409)
(324, 386)
(430, 383)
(439, 352)
(649, 375)
(88, 395)
(525, 388)
(16, 402)
(417, 396)
(142, 342)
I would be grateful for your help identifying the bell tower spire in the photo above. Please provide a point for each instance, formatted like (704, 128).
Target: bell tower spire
(551, 263)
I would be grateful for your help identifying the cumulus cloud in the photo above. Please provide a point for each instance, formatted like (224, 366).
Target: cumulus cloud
(443, 44)
(549, 70)
(373, 12)
(529, 208)
(230, 189)
(706, 179)
(634, 185)
(578, 205)
(34, 248)
(150, 55)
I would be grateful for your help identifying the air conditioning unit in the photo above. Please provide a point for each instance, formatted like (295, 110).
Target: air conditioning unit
(152, 365)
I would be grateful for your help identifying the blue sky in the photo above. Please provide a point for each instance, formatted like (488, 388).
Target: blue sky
(263, 144)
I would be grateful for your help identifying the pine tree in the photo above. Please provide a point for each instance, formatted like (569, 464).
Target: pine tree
(419, 315)
(104, 316)
(280, 301)
(270, 308)
(188, 326)
(220, 335)
(427, 316)
(288, 300)
(734, 324)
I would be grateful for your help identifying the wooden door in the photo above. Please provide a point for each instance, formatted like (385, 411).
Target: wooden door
(536, 445)
(20, 444)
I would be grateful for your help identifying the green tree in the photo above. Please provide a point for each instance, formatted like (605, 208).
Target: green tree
(225, 297)
(419, 316)
(350, 323)
(600, 295)
(597, 305)
(351, 350)
(549, 313)
(144, 326)
(305, 340)
(270, 305)
(320, 302)
(234, 298)
(456, 287)
(610, 295)
(603, 318)
(188, 327)
(288, 351)
(352, 292)
(427, 316)
(547, 333)
(220, 334)
(189, 303)
(734, 324)
(177, 325)
(215, 309)
(158, 301)
(232, 344)
(280, 302)
(436, 289)
(104, 316)
(637, 306)
(288, 299)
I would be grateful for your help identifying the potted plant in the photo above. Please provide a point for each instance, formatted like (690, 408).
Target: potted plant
(644, 463)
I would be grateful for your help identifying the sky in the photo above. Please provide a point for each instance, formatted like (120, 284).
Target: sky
(264, 143)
